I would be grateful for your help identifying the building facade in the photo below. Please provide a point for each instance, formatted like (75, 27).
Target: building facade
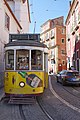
(53, 34)
(73, 35)
(9, 23)
(20, 9)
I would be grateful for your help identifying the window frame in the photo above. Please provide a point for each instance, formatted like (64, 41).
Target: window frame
(29, 64)
(8, 60)
(62, 40)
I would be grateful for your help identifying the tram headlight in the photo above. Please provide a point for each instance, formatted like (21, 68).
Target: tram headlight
(21, 84)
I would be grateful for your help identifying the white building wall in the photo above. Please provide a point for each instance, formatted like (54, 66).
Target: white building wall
(24, 18)
(4, 33)
(17, 9)
(12, 5)
(14, 28)
(71, 23)
(20, 10)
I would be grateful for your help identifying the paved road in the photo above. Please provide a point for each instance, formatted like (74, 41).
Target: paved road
(61, 103)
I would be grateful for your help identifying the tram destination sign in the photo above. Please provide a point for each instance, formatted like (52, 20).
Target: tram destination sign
(24, 37)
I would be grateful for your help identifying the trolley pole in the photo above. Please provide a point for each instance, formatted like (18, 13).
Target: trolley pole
(34, 26)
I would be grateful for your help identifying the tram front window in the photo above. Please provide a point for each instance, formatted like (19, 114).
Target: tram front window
(22, 59)
(9, 60)
(36, 60)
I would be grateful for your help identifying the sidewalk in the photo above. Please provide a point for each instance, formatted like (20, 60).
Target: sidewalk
(1, 92)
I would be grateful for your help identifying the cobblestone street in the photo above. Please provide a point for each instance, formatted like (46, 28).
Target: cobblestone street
(40, 60)
(56, 108)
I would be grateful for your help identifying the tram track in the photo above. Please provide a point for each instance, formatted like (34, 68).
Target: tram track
(44, 110)
(40, 106)
(22, 112)
(72, 93)
(72, 90)
(62, 99)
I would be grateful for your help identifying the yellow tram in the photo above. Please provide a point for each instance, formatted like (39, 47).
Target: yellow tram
(26, 65)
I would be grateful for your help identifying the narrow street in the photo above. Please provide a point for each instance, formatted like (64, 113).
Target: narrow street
(57, 103)
(39, 57)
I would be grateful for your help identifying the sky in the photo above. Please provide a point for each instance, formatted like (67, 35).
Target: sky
(43, 10)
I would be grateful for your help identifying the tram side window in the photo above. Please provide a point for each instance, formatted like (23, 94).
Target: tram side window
(22, 59)
(9, 60)
(36, 60)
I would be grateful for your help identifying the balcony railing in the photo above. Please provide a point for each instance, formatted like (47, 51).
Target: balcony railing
(74, 27)
(51, 44)
(79, 17)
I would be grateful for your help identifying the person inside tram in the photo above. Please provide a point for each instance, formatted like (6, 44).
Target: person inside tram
(23, 64)
(39, 66)
(35, 64)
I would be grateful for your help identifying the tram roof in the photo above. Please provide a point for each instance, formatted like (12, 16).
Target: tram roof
(26, 43)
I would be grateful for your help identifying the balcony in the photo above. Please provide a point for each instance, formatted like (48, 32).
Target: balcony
(68, 36)
(52, 34)
(75, 24)
(79, 17)
(52, 46)
(74, 27)
(51, 56)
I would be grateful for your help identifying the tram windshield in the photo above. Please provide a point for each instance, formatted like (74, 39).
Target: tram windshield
(9, 63)
(22, 59)
(36, 60)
